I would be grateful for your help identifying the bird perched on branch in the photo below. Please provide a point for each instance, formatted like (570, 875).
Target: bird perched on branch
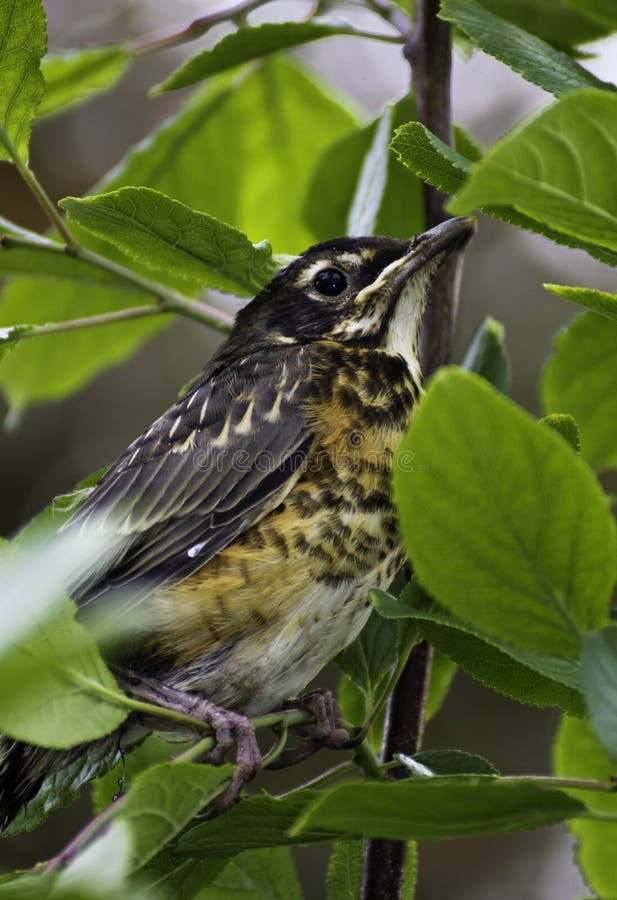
(254, 516)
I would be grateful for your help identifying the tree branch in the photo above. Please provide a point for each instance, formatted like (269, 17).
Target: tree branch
(429, 53)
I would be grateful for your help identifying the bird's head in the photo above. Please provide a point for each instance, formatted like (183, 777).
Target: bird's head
(366, 291)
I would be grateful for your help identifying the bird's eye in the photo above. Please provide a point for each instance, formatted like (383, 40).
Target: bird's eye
(330, 282)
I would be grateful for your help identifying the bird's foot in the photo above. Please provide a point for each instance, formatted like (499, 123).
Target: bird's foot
(326, 731)
(228, 728)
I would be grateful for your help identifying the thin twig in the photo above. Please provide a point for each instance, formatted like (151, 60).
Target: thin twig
(183, 34)
(21, 332)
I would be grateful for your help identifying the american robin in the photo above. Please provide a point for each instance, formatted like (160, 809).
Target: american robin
(254, 516)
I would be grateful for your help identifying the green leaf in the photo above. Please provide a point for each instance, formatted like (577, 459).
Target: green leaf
(443, 670)
(601, 11)
(430, 158)
(267, 874)
(183, 879)
(250, 43)
(23, 41)
(599, 301)
(128, 766)
(566, 426)
(538, 169)
(175, 243)
(557, 21)
(260, 821)
(162, 800)
(335, 177)
(255, 178)
(581, 379)
(369, 659)
(47, 260)
(446, 169)
(577, 754)
(527, 54)
(487, 355)
(73, 76)
(504, 524)
(465, 144)
(372, 180)
(344, 878)
(438, 807)
(531, 678)
(453, 762)
(55, 689)
(64, 786)
(599, 679)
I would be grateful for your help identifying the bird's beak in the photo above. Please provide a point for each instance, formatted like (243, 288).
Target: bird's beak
(438, 241)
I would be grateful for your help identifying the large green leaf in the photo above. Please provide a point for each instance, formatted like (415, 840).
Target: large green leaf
(161, 801)
(599, 678)
(581, 379)
(344, 878)
(208, 158)
(267, 874)
(557, 21)
(578, 754)
(602, 11)
(334, 183)
(530, 56)
(532, 678)
(251, 43)
(176, 243)
(55, 690)
(599, 301)
(23, 41)
(437, 807)
(559, 168)
(446, 169)
(487, 355)
(260, 821)
(505, 525)
(72, 76)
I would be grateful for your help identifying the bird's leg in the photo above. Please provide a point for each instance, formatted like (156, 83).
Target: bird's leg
(228, 728)
(326, 731)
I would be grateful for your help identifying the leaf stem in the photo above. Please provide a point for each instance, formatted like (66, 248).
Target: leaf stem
(555, 781)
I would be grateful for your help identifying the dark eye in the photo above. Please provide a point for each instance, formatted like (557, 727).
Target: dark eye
(330, 282)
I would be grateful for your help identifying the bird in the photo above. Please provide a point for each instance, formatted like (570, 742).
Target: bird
(253, 518)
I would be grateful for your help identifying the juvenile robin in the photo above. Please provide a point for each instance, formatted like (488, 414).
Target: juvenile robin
(254, 516)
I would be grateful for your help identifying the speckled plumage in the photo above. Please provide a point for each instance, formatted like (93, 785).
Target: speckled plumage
(255, 515)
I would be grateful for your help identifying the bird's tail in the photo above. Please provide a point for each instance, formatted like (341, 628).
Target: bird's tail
(24, 768)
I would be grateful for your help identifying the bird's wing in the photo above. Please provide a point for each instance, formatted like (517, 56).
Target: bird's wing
(221, 458)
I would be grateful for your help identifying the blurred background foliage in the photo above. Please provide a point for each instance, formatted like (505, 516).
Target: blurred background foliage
(51, 446)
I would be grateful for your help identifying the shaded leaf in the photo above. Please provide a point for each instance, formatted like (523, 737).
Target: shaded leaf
(581, 379)
(578, 754)
(334, 183)
(260, 821)
(369, 659)
(267, 874)
(250, 43)
(73, 76)
(527, 54)
(602, 11)
(439, 807)
(50, 261)
(599, 680)
(454, 762)
(372, 180)
(487, 355)
(23, 41)
(504, 524)
(557, 21)
(443, 670)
